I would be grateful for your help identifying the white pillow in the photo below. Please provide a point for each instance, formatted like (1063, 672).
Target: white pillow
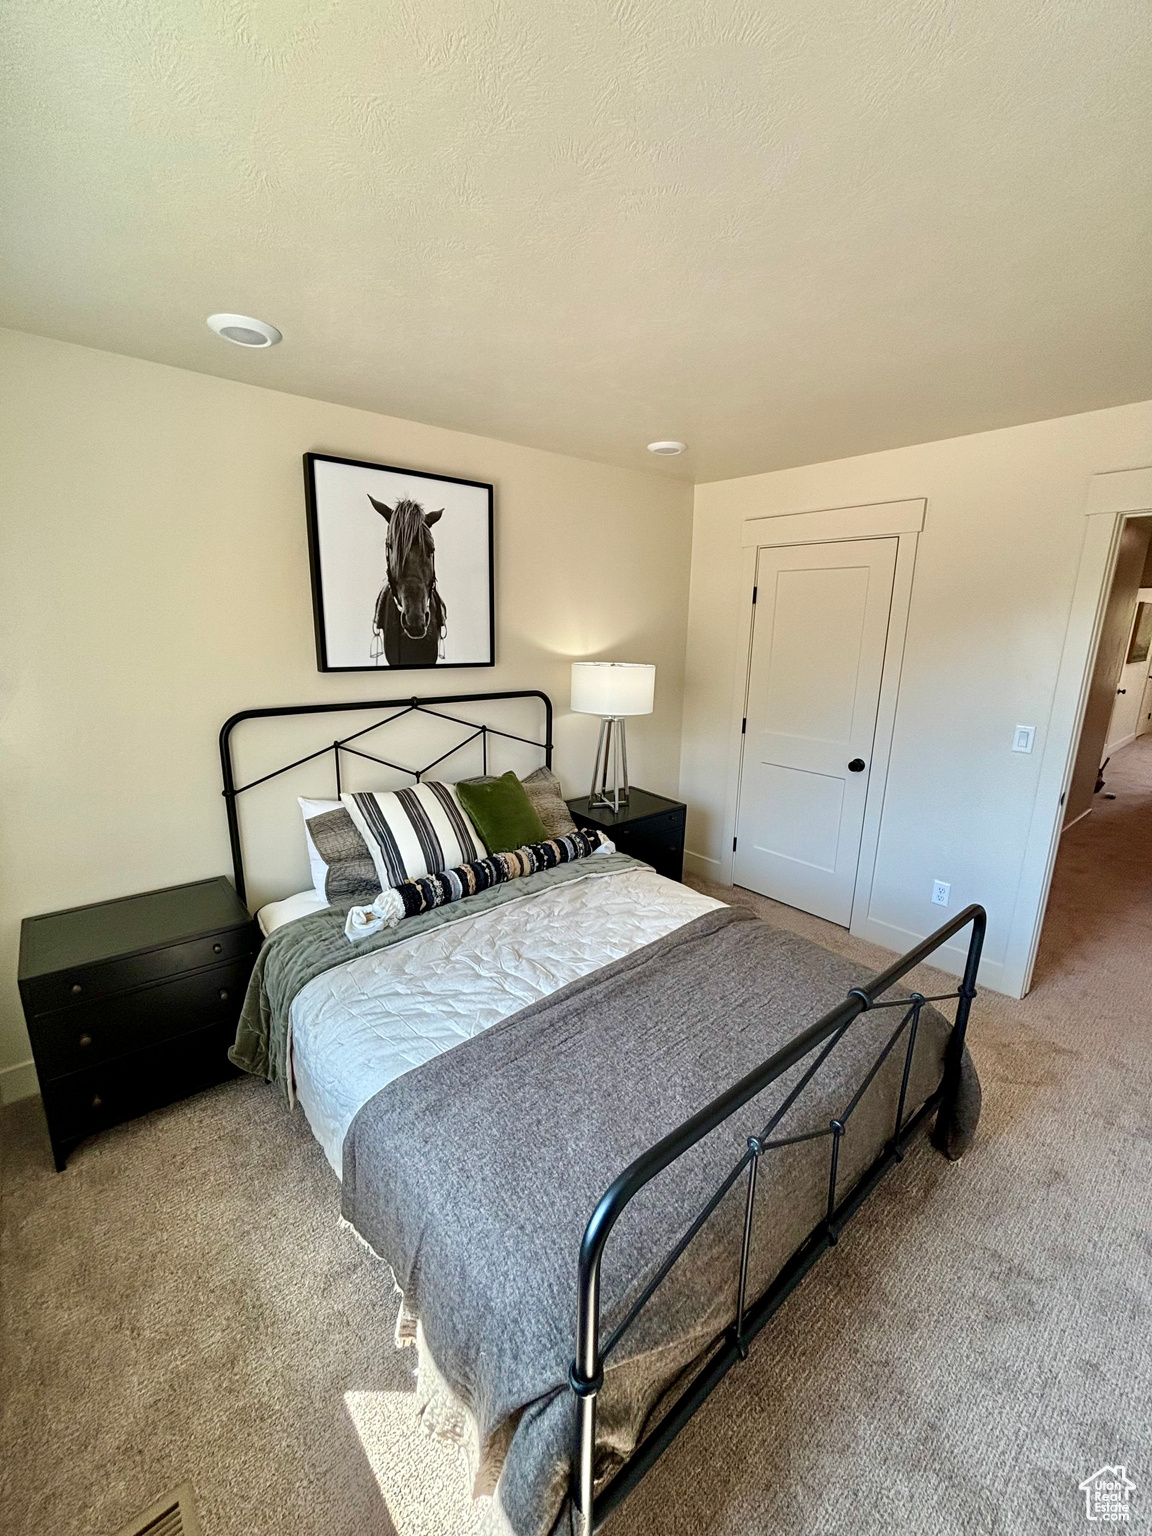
(277, 913)
(310, 808)
(414, 832)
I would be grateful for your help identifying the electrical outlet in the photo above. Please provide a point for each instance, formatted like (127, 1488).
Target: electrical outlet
(940, 890)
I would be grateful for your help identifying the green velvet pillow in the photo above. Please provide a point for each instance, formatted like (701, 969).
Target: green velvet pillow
(502, 812)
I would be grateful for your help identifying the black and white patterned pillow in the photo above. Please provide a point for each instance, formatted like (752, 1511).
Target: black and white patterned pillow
(415, 832)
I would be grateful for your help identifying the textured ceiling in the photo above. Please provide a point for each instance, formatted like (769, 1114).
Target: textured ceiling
(780, 231)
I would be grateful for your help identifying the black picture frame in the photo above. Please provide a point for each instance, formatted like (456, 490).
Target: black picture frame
(331, 655)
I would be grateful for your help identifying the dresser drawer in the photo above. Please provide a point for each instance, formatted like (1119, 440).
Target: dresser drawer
(71, 988)
(72, 1039)
(103, 1095)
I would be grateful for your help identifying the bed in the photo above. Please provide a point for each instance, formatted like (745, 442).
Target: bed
(356, 1027)
(599, 1125)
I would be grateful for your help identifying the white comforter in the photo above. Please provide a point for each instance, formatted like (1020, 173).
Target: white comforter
(357, 1027)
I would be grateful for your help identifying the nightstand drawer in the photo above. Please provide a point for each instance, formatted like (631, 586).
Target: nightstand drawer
(73, 1039)
(104, 1095)
(667, 828)
(64, 989)
(665, 854)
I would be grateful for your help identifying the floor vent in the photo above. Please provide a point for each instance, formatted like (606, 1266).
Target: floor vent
(174, 1515)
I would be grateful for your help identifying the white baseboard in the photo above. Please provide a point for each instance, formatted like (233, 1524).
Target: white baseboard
(949, 957)
(1112, 747)
(703, 867)
(1086, 812)
(18, 1082)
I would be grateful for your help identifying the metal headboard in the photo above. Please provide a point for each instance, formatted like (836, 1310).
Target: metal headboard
(403, 707)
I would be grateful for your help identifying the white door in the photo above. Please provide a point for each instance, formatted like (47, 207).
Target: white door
(1128, 711)
(1144, 724)
(1125, 721)
(820, 627)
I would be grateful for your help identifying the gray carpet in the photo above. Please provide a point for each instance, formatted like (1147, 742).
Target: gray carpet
(182, 1301)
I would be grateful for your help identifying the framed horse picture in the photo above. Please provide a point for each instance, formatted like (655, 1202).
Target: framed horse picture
(401, 567)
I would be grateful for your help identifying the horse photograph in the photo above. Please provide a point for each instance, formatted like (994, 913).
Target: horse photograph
(401, 566)
(411, 620)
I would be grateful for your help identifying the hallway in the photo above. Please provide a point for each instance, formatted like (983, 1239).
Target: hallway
(1097, 940)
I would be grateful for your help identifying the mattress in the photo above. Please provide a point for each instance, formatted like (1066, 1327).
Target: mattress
(358, 1027)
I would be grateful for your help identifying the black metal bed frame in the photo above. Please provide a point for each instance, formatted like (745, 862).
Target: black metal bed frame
(586, 1375)
(403, 707)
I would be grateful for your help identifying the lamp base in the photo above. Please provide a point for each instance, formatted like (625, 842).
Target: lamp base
(610, 770)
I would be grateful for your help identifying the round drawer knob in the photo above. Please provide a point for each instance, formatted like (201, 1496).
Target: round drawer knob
(217, 949)
(224, 995)
(97, 1101)
(76, 987)
(85, 1039)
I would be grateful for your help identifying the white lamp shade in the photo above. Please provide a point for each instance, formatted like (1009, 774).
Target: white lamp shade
(611, 689)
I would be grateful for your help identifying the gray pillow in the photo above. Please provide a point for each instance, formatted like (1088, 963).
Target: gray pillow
(543, 790)
(351, 877)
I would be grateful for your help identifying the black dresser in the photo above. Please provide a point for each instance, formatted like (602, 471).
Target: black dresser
(133, 1003)
(647, 826)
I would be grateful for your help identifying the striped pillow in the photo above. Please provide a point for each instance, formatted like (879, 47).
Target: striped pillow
(415, 832)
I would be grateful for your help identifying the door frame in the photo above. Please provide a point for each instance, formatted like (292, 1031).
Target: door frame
(903, 520)
(1113, 497)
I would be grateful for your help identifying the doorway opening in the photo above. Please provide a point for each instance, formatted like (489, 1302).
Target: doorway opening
(1099, 910)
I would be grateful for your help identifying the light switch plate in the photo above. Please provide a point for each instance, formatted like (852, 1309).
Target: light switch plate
(1023, 737)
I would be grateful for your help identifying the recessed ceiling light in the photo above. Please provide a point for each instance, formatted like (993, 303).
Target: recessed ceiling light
(668, 449)
(244, 330)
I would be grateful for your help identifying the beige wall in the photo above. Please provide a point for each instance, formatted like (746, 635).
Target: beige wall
(995, 571)
(1114, 635)
(155, 579)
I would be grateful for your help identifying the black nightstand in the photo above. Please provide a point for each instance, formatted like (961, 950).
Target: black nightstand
(133, 1003)
(649, 827)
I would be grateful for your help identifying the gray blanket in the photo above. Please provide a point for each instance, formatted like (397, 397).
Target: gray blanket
(293, 955)
(475, 1174)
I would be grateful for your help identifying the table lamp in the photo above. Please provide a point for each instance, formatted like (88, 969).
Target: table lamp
(613, 690)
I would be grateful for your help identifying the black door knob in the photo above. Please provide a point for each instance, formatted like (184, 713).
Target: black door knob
(857, 765)
(1119, 690)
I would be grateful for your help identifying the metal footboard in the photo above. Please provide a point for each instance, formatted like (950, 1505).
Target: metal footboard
(586, 1376)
